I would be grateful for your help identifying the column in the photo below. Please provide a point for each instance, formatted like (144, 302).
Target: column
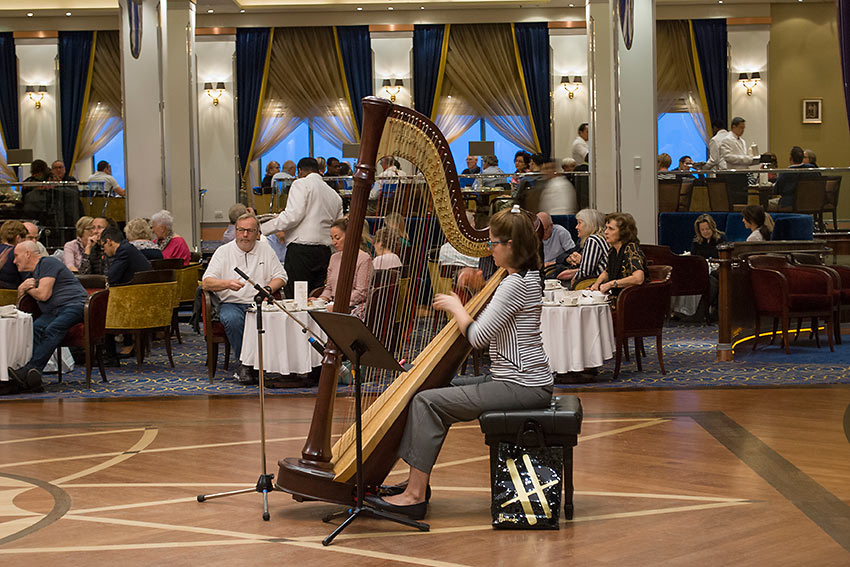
(181, 120)
(160, 115)
(623, 119)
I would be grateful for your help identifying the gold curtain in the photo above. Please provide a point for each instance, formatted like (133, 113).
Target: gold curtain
(482, 71)
(304, 75)
(103, 116)
(676, 79)
(454, 118)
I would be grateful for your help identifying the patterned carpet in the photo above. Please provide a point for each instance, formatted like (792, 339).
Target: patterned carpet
(688, 356)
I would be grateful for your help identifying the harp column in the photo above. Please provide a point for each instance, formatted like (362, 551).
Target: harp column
(622, 113)
(160, 111)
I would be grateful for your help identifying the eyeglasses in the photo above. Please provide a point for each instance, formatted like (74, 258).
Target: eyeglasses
(492, 243)
(246, 230)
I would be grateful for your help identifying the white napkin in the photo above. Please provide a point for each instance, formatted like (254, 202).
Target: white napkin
(9, 312)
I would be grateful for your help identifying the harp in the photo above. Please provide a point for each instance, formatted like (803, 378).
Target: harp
(323, 472)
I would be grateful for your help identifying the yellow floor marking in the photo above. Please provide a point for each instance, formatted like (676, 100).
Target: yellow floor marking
(60, 459)
(229, 444)
(622, 429)
(660, 496)
(155, 484)
(373, 554)
(127, 547)
(657, 511)
(14, 526)
(147, 438)
(135, 505)
(110, 432)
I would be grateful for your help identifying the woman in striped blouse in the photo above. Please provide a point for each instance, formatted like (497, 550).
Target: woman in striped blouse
(521, 377)
(592, 257)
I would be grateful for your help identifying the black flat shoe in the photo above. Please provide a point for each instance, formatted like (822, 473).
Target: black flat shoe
(395, 489)
(412, 511)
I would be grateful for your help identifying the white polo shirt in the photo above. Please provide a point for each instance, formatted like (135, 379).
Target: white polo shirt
(261, 265)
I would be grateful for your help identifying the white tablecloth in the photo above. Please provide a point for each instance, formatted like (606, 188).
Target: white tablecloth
(285, 346)
(577, 337)
(15, 343)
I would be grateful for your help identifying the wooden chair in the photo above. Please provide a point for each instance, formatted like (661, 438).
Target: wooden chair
(686, 192)
(167, 264)
(810, 199)
(668, 195)
(150, 277)
(640, 312)
(784, 291)
(718, 198)
(8, 296)
(833, 185)
(92, 282)
(381, 310)
(689, 273)
(89, 334)
(214, 335)
(140, 308)
(187, 286)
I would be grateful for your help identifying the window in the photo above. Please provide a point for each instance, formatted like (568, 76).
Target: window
(113, 152)
(503, 148)
(297, 145)
(678, 136)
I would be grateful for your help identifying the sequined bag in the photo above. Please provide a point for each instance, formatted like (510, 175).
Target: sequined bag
(526, 491)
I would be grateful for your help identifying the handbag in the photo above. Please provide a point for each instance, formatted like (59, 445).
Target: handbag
(526, 490)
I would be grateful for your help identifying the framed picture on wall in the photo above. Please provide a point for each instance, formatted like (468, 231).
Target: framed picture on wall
(812, 110)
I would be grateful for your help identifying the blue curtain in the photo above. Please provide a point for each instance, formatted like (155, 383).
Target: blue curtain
(9, 91)
(75, 50)
(427, 50)
(710, 38)
(844, 48)
(252, 45)
(356, 50)
(533, 44)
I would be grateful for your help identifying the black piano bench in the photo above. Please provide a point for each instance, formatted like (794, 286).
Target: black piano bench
(560, 424)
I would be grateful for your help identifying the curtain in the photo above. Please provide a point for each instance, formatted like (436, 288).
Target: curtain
(276, 123)
(76, 59)
(844, 47)
(710, 37)
(456, 118)
(308, 79)
(355, 50)
(252, 62)
(8, 103)
(677, 88)
(103, 117)
(483, 71)
(532, 41)
(430, 44)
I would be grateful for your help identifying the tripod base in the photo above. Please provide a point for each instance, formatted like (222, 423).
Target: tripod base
(369, 513)
(264, 486)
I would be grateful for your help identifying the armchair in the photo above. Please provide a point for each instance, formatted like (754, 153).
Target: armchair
(139, 308)
(214, 335)
(782, 291)
(689, 276)
(640, 312)
(89, 334)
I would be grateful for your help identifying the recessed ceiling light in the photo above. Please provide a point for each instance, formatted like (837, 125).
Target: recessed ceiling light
(390, 8)
(67, 13)
(210, 11)
(423, 7)
(241, 11)
(359, 9)
(572, 5)
(29, 14)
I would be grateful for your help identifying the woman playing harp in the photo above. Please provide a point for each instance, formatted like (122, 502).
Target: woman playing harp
(521, 377)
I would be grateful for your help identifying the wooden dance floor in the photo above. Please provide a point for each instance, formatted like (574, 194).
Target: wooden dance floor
(701, 477)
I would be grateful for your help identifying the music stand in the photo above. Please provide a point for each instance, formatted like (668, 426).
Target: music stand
(361, 347)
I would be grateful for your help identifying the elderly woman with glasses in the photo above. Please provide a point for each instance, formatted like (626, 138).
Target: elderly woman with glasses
(172, 245)
(626, 262)
(74, 249)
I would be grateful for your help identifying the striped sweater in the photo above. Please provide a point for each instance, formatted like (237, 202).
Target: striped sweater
(510, 326)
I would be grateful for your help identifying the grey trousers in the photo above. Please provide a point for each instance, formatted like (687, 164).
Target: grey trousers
(432, 412)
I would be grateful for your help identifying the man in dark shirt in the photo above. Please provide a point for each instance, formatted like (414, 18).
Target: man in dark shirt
(786, 183)
(126, 258)
(61, 299)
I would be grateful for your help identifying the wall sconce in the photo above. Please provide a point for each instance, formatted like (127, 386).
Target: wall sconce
(214, 92)
(388, 86)
(572, 87)
(750, 81)
(36, 94)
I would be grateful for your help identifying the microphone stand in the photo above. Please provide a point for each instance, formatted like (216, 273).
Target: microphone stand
(264, 484)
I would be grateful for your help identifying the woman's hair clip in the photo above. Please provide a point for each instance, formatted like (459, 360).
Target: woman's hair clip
(516, 210)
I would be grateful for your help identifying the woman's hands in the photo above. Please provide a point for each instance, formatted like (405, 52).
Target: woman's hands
(448, 303)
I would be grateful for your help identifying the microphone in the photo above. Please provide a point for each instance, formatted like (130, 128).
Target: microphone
(263, 292)
(316, 345)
